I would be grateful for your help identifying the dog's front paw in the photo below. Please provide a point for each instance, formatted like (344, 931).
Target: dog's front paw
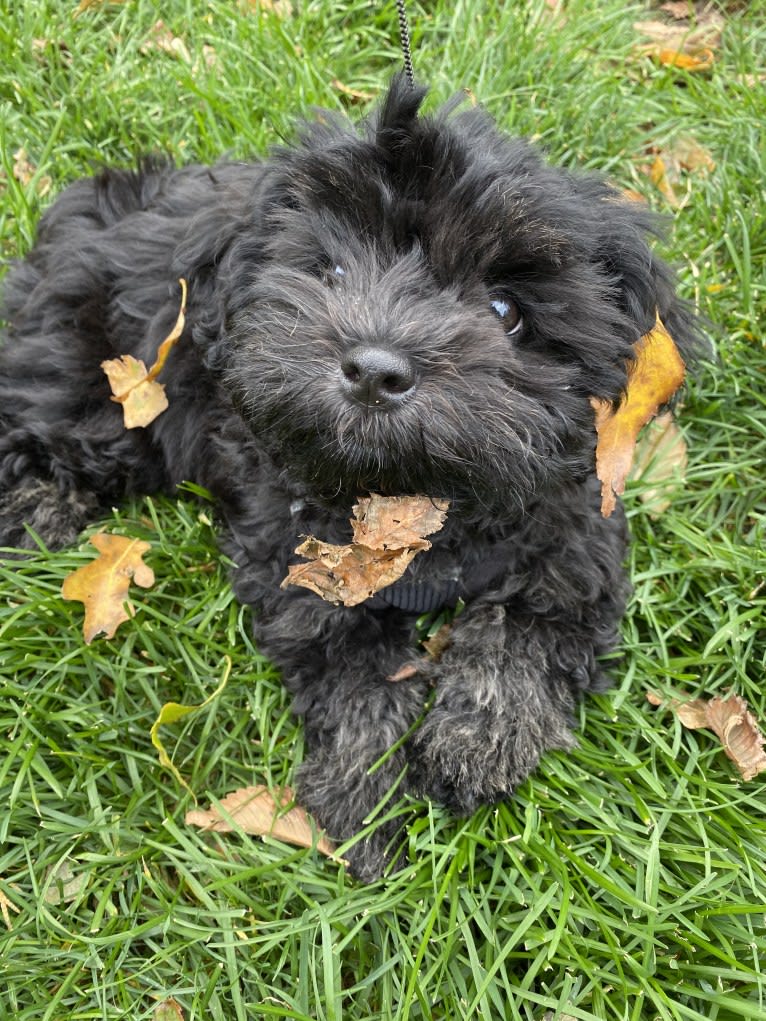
(467, 760)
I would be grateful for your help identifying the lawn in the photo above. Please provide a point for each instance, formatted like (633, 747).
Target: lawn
(626, 880)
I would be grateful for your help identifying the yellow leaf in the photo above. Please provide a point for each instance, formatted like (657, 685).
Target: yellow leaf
(134, 386)
(172, 712)
(102, 585)
(657, 373)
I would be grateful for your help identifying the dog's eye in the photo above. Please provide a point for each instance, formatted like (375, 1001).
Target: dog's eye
(509, 313)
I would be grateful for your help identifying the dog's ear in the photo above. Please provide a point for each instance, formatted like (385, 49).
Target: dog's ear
(646, 285)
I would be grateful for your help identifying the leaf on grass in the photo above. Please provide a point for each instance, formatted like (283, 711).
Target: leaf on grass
(732, 722)
(24, 171)
(161, 38)
(687, 45)
(657, 373)
(63, 884)
(168, 1010)
(358, 95)
(134, 386)
(672, 163)
(660, 463)
(172, 712)
(387, 534)
(103, 584)
(263, 813)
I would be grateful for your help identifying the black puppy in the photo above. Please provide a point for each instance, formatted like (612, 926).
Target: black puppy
(419, 306)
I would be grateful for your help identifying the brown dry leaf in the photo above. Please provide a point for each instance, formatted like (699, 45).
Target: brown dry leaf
(85, 5)
(661, 461)
(657, 373)
(356, 94)
(672, 164)
(658, 175)
(103, 584)
(24, 171)
(168, 1010)
(388, 533)
(281, 8)
(134, 386)
(705, 32)
(162, 39)
(262, 813)
(731, 721)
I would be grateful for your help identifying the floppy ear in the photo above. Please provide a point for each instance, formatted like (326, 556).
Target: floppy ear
(647, 286)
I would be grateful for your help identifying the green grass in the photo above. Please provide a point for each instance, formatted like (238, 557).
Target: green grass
(624, 881)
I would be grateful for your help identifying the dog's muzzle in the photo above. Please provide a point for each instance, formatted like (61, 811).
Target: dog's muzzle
(376, 377)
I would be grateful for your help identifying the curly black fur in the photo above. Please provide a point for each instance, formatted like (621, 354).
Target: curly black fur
(398, 252)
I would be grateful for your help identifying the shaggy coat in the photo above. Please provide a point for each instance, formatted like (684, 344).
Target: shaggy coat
(418, 305)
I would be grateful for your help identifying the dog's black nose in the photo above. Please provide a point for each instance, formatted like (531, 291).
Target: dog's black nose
(375, 376)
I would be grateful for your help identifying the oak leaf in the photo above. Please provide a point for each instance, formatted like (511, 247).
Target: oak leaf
(388, 532)
(264, 813)
(732, 722)
(657, 373)
(103, 584)
(134, 386)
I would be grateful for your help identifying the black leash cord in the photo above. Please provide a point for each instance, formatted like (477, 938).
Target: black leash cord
(404, 35)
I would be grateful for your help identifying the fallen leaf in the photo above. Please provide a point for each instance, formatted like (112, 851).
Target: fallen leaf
(161, 38)
(63, 884)
(658, 175)
(281, 8)
(704, 32)
(168, 1010)
(689, 45)
(172, 712)
(23, 171)
(103, 584)
(357, 94)
(388, 532)
(660, 462)
(263, 813)
(732, 722)
(672, 163)
(657, 373)
(134, 386)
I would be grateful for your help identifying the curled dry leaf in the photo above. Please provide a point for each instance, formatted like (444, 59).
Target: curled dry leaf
(103, 584)
(168, 1010)
(687, 45)
(731, 721)
(657, 373)
(134, 386)
(660, 462)
(387, 534)
(263, 813)
(162, 39)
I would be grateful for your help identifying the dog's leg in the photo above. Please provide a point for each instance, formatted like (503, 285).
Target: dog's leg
(506, 689)
(337, 662)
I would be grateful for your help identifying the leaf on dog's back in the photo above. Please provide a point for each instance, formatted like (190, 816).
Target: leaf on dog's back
(134, 386)
(732, 722)
(657, 373)
(103, 584)
(263, 813)
(388, 533)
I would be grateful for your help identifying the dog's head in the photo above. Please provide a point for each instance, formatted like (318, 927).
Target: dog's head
(425, 306)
